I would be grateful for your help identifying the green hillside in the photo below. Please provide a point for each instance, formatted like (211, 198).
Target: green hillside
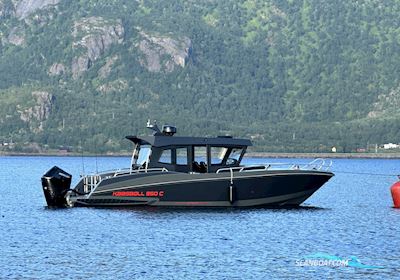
(292, 75)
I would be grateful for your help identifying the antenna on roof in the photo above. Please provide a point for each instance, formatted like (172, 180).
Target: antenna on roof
(153, 126)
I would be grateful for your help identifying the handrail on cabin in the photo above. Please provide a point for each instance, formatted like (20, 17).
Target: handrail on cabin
(316, 164)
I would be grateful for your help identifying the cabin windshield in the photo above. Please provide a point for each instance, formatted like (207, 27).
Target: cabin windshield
(234, 156)
(218, 154)
(141, 155)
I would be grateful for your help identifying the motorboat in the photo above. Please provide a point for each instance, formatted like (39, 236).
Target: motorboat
(176, 171)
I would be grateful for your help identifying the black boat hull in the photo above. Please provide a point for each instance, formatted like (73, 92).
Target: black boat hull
(243, 189)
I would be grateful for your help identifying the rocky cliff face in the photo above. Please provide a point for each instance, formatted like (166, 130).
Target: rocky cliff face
(24, 8)
(106, 69)
(387, 104)
(6, 9)
(57, 69)
(154, 48)
(114, 86)
(40, 112)
(16, 36)
(94, 35)
(80, 65)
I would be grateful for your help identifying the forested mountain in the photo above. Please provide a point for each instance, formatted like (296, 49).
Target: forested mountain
(293, 75)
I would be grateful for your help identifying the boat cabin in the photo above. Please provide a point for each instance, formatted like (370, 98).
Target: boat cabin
(186, 154)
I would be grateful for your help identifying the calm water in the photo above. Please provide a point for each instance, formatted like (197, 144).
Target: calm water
(351, 215)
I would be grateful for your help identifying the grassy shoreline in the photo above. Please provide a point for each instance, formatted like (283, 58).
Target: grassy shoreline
(249, 154)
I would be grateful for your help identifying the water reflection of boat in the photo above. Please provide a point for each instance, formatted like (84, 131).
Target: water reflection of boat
(167, 170)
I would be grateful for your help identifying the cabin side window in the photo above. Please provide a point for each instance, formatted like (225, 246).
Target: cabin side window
(200, 154)
(181, 156)
(166, 157)
(199, 163)
(218, 155)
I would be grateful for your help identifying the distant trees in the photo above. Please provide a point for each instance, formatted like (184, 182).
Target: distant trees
(261, 69)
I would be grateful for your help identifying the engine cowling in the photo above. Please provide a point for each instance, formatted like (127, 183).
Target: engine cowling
(56, 183)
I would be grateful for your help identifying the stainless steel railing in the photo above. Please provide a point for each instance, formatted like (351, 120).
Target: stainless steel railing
(317, 164)
(91, 181)
(140, 170)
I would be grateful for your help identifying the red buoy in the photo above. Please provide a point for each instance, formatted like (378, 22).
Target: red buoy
(395, 190)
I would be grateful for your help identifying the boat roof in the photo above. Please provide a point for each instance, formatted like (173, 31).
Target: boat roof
(164, 140)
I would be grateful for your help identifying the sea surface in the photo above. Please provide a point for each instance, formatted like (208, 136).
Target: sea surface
(349, 219)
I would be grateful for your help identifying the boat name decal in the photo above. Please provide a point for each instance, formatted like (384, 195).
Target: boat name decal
(139, 193)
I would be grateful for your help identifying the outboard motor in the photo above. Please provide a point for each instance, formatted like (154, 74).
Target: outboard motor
(56, 183)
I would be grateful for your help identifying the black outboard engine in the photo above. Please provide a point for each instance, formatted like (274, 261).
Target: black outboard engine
(56, 183)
